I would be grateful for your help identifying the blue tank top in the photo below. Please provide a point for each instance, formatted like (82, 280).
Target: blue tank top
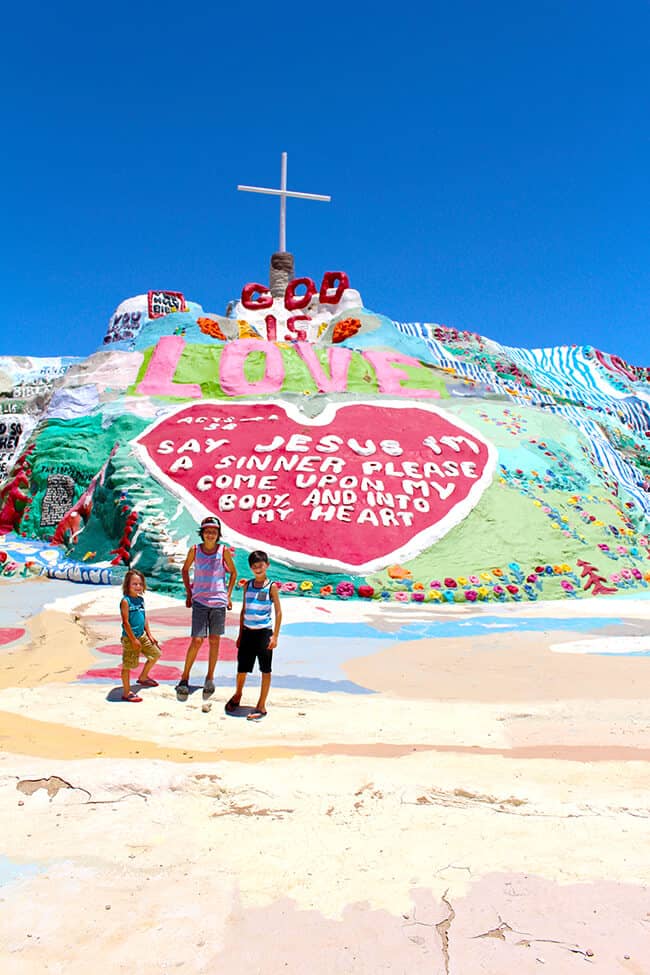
(209, 582)
(136, 614)
(257, 606)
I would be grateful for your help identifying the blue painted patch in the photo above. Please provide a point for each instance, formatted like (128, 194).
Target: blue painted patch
(439, 629)
(11, 871)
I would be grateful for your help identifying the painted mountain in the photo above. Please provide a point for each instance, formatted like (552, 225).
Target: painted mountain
(370, 458)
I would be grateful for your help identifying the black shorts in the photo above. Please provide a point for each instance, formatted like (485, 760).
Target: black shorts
(254, 645)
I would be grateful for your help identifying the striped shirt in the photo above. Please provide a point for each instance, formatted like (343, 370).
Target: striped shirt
(257, 606)
(209, 582)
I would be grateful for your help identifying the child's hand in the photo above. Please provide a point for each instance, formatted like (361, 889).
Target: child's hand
(229, 603)
(188, 602)
(273, 642)
(137, 644)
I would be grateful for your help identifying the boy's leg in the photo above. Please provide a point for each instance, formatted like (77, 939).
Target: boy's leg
(239, 690)
(152, 654)
(264, 693)
(130, 659)
(190, 657)
(213, 656)
(126, 681)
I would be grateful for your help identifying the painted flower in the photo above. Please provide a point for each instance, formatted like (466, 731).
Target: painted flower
(637, 574)
(433, 596)
(486, 577)
(366, 592)
(450, 582)
(471, 595)
(326, 591)
(513, 590)
(615, 577)
(402, 597)
(483, 592)
(626, 573)
(288, 586)
(418, 585)
(548, 570)
(449, 595)
(306, 585)
(532, 578)
(475, 580)
(515, 567)
(461, 580)
(344, 590)
(497, 572)
(418, 596)
(566, 585)
(436, 584)
(621, 549)
(499, 591)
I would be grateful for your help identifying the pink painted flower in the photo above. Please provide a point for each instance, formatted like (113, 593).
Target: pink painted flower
(626, 574)
(402, 597)
(499, 591)
(621, 549)
(418, 596)
(637, 574)
(532, 578)
(450, 582)
(436, 584)
(475, 580)
(471, 595)
(344, 590)
(288, 587)
(615, 577)
(566, 585)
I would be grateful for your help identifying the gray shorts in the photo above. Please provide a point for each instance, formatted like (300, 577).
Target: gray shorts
(208, 620)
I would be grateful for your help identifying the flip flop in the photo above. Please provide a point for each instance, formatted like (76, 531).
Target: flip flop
(148, 682)
(131, 698)
(256, 715)
(232, 705)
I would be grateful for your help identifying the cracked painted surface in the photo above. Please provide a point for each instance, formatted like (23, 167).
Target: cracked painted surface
(483, 809)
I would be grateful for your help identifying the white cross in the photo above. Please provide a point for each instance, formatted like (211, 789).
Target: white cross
(283, 193)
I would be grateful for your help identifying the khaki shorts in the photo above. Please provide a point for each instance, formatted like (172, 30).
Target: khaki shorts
(131, 655)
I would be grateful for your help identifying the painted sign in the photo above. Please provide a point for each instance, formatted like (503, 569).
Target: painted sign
(164, 303)
(357, 487)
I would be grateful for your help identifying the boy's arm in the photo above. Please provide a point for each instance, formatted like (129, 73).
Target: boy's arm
(241, 615)
(185, 572)
(124, 613)
(230, 567)
(149, 633)
(275, 599)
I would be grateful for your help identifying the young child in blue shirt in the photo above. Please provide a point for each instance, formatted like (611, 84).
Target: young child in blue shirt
(257, 639)
(136, 636)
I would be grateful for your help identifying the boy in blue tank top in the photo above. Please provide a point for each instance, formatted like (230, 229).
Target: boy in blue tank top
(209, 596)
(136, 636)
(257, 639)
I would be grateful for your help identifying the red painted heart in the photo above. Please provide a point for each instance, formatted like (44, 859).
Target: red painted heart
(359, 486)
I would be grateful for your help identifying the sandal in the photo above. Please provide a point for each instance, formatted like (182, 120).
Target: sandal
(256, 715)
(232, 705)
(131, 698)
(148, 682)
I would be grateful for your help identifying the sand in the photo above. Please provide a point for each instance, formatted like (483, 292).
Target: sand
(463, 804)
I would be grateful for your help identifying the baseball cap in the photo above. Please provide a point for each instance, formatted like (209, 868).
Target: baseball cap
(211, 521)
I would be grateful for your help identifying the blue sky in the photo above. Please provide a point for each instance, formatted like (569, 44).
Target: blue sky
(488, 163)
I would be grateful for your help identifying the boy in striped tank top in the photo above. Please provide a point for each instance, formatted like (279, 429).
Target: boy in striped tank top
(209, 598)
(257, 639)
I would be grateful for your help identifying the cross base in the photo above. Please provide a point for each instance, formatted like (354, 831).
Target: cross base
(282, 271)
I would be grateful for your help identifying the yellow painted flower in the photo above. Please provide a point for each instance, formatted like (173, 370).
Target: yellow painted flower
(538, 504)
(462, 581)
(483, 592)
(565, 567)
(486, 577)
(306, 585)
(433, 596)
